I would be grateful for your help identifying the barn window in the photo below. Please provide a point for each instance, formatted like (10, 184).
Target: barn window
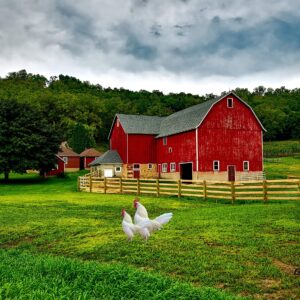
(216, 165)
(118, 169)
(150, 166)
(165, 140)
(164, 167)
(246, 165)
(170, 149)
(65, 159)
(118, 123)
(230, 102)
(173, 167)
(136, 167)
(56, 166)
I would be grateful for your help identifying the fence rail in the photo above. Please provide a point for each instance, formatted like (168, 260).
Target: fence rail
(282, 189)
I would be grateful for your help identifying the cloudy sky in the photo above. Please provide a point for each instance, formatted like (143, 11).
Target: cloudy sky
(197, 46)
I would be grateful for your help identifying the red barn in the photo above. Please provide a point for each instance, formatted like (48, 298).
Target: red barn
(71, 159)
(87, 156)
(220, 139)
(59, 167)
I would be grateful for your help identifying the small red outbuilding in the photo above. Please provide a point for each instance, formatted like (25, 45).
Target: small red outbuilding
(59, 167)
(71, 159)
(87, 156)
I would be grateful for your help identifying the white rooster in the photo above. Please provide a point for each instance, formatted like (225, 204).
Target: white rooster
(130, 229)
(141, 218)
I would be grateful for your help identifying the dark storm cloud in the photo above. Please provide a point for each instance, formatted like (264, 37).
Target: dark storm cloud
(193, 38)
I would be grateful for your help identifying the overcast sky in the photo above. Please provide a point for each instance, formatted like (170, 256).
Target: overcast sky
(195, 46)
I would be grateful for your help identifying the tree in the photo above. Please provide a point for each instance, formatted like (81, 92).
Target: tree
(81, 138)
(27, 139)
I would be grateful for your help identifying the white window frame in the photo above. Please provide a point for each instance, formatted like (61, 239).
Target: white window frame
(165, 141)
(172, 167)
(164, 168)
(248, 165)
(170, 150)
(231, 102)
(136, 168)
(150, 166)
(118, 171)
(218, 168)
(65, 159)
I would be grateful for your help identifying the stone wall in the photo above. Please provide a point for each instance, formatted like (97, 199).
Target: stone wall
(127, 171)
(146, 173)
(223, 176)
(71, 169)
(170, 175)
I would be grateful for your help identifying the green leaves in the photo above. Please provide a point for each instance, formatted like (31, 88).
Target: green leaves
(81, 138)
(27, 139)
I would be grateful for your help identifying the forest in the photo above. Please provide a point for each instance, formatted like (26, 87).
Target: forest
(69, 102)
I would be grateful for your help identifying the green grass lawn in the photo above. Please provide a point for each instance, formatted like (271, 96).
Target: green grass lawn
(282, 167)
(59, 243)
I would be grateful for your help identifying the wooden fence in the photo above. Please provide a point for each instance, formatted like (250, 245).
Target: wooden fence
(283, 189)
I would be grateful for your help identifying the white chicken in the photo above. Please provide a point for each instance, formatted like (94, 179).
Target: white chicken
(141, 218)
(130, 229)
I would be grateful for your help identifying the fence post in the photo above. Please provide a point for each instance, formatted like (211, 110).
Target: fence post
(138, 186)
(179, 188)
(104, 185)
(91, 183)
(157, 187)
(232, 192)
(204, 190)
(265, 189)
(121, 185)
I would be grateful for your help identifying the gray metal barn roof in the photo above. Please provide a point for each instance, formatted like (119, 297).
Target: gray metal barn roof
(140, 124)
(109, 157)
(185, 119)
(181, 121)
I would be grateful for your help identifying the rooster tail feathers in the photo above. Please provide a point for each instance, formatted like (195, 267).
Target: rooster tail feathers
(164, 218)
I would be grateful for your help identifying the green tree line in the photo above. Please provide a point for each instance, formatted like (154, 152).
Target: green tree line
(68, 101)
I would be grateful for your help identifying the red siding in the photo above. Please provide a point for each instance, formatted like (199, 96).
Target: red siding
(183, 149)
(73, 162)
(59, 170)
(230, 135)
(88, 160)
(118, 141)
(141, 148)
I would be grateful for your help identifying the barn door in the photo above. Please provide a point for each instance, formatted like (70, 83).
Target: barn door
(159, 170)
(186, 171)
(231, 173)
(136, 170)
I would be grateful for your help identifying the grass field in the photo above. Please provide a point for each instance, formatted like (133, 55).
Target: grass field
(282, 167)
(57, 243)
(281, 148)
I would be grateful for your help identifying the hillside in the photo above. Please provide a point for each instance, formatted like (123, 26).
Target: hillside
(68, 101)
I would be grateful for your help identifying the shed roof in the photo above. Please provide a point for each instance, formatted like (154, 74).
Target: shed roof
(138, 124)
(90, 152)
(64, 151)
(109, 157)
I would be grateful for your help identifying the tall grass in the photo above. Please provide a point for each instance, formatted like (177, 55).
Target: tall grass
(25, 276)
(281, 148)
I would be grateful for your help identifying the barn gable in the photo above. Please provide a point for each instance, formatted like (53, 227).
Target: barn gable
(192, 117)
